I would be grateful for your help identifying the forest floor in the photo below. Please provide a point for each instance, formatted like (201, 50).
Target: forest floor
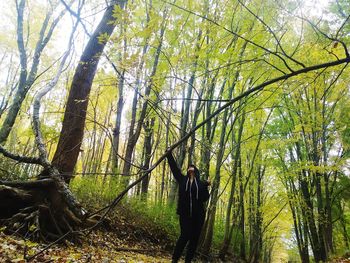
(125, 240)
(101, 247)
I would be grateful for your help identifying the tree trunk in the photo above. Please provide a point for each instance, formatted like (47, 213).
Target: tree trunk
(242, 250)
(317, 248)
(148, 127)
(197, 110)
(236, 157)
(120, 104)
(166, 146)
(227, 238)
(72, 132)
(27, 77)
(256, 244)
(187, 103)
(134, 135)
(208, 230)
(116, 131)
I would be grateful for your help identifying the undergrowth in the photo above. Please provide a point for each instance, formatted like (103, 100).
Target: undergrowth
(145, 218)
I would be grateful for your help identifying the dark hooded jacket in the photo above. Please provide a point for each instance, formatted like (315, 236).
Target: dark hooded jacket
(191, 196)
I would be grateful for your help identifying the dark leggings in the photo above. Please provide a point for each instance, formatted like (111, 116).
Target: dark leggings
(190, 231)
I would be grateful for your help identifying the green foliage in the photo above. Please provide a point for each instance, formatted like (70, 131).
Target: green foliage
(160, 217)
(219, 234)
(95, 190)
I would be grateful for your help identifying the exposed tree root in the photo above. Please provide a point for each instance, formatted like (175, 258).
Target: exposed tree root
(38, 210)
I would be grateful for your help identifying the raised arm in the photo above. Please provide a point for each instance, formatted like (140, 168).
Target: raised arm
(174, 168)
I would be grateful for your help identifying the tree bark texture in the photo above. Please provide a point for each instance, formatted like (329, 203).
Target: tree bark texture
(72, 132)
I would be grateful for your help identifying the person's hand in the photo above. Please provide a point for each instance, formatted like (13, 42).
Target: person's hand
(168, 151)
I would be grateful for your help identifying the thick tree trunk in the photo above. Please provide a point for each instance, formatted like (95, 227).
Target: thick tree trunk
(72, 132)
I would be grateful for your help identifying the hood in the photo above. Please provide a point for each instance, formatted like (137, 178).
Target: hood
(196, 173)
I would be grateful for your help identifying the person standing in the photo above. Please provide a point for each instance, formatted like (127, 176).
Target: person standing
(193, 192)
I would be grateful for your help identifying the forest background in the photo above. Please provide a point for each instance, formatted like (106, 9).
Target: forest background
(255, 93)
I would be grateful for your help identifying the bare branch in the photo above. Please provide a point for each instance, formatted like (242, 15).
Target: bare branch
(273, 34)
(317, 29)
(254, 90)
(42, 42)
(341, 27)
(20, 41)
(234, 33)
(28, 184)
(4, 130)
(77, 15)
(19, 158)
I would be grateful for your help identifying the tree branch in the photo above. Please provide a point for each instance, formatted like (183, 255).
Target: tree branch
(19, 158)
(233, 33)
(316, 28)
(340, 9)
(20, 41)
(28, 184)
(256, 89)
(274, 35)
(42, 42)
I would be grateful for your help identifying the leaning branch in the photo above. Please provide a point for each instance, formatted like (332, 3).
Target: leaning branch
(256, 89)
(215, 113)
